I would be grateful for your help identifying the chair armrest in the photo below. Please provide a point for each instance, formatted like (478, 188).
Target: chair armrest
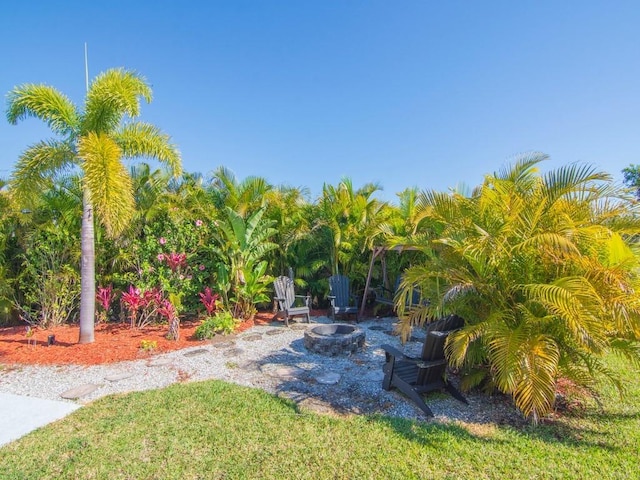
(305, 298)
(280, 299)
(394, 352)
(431, 363)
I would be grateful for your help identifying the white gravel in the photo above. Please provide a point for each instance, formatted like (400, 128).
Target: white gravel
(274, 359)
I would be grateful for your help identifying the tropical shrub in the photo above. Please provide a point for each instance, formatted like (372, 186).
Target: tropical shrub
(49, 281)
(222, 322)
(239, 247)
(544, 271)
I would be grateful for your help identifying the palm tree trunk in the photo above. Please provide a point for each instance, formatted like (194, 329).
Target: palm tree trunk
(87, 272)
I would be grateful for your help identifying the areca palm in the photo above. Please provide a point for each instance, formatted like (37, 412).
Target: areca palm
(94, 140)
(545, 273)
(352, 218)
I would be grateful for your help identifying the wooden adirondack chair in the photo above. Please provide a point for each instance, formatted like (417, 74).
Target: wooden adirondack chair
(289, 304)
(416, 376)
(384, 296)
(343, 302)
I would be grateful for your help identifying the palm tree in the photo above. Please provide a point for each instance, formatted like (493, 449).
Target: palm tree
(244, 197)
(94, 140)
(543, 272)
(352, 218)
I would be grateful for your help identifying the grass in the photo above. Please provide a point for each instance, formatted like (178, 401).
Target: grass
(214, 430)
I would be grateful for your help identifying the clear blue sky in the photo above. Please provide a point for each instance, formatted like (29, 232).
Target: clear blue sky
(413, 93)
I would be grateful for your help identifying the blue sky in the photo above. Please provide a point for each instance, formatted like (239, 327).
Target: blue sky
(413, 93)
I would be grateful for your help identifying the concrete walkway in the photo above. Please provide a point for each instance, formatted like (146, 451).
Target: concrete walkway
(21, 415)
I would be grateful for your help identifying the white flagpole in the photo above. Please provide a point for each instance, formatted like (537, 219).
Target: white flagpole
(86, 67)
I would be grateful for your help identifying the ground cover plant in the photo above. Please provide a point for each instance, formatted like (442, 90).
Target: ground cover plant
(219, 430)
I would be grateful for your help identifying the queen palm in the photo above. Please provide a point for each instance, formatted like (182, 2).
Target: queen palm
(93, 140)
(545, 273)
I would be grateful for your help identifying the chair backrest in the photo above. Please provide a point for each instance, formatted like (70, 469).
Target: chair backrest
(284, 289)
(433, 348)
(415, 294)
(339, 288)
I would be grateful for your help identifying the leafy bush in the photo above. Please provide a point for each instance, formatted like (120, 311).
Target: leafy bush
(49, 283)
(222, 322)
(544, 271)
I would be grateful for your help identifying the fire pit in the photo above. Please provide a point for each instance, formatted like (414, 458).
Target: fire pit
(335, 339)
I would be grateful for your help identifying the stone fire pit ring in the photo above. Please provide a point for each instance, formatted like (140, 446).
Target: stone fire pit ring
(334, 339)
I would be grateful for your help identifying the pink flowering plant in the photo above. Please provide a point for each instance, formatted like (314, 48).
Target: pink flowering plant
(142, 307)
(172, 255)
(104, 298)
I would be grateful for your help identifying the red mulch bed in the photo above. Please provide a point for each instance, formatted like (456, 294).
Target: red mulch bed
(114, 342)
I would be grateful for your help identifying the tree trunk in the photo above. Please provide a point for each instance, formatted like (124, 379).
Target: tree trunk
(87, 272)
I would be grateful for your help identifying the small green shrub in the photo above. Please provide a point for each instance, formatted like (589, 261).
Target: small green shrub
(221, 322)
(148, 345)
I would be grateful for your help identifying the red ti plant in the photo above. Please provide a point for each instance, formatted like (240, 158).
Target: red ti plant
(132, 301)
(105, 296)
(209, 300)
(175, 260)
(168, 310)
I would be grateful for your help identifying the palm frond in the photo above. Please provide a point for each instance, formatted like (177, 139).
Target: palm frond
(38, 165)
(45, 103)
(139, 139)
(112, 95)
(535, 391)
(108, 181)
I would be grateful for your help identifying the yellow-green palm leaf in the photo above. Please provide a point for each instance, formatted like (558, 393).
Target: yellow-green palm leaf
(108, 181)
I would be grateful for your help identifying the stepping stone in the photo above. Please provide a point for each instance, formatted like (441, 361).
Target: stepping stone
(80, 391)
(225, 344)
(284, 372)
(116, 377)
(160, 362)
(328, 378)
(300, 326)
(275, 332)
(194, 353)
(378, 328)
(233, 352)
(252, 338)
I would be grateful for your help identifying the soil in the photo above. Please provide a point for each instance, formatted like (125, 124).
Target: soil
(114, 342)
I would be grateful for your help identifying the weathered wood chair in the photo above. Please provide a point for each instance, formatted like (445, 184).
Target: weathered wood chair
(343, 302)
(416, 376)
(289, 304)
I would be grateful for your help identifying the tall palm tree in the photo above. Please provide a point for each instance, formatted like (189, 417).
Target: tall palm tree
(544, 272)
(94, 140)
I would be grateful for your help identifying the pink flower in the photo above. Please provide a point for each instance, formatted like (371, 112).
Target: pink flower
(181, 277)
(201, 267)
(162, 240)
(160, 257)
(198, 223)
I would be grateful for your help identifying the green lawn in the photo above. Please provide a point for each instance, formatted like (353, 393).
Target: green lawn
(217, 430)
